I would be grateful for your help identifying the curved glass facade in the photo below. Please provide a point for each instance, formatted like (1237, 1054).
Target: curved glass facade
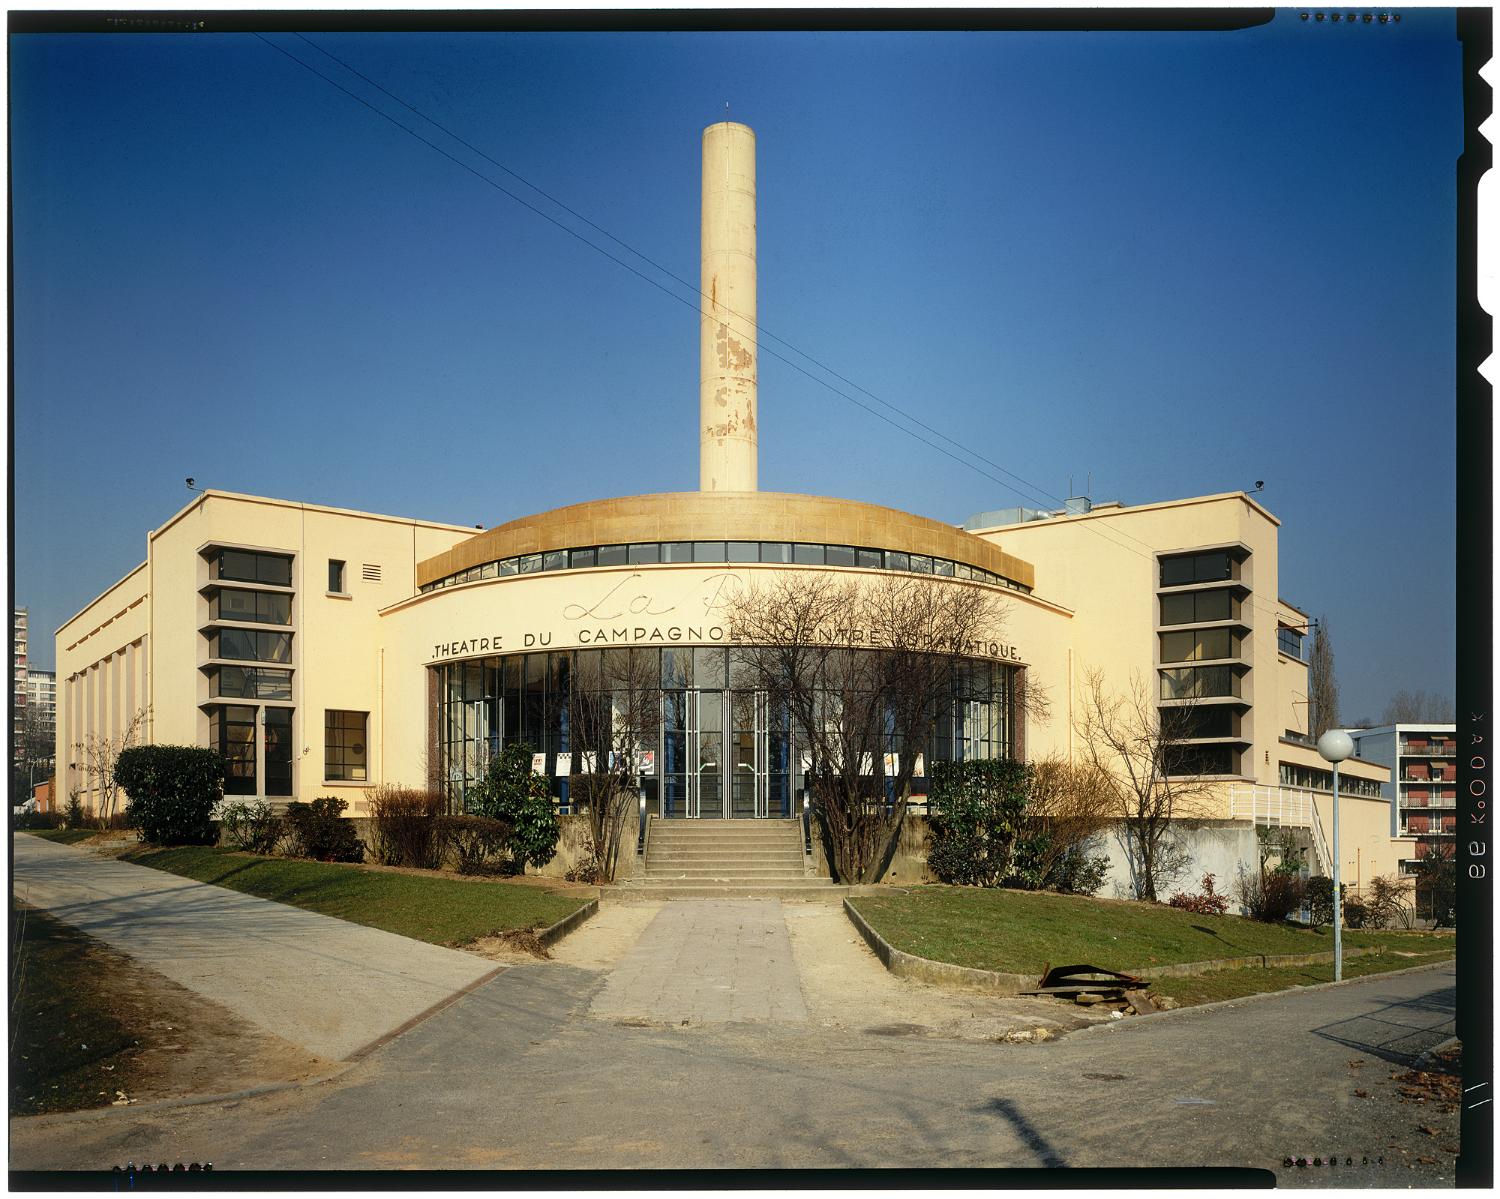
(717, 747)
(650, 553)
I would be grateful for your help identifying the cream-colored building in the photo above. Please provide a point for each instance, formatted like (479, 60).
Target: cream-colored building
(326, 652)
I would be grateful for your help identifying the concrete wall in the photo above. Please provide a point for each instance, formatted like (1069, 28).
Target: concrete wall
(1102, 568)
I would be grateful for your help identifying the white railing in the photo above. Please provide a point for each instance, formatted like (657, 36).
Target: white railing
(1278, 807)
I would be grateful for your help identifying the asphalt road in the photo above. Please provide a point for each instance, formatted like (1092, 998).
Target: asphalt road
(519, 1075)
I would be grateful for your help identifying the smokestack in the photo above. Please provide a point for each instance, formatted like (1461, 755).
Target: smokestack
(727, 341)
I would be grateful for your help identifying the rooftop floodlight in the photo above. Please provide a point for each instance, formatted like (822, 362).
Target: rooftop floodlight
(1334, 746)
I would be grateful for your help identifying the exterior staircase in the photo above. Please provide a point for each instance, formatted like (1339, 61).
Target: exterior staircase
(724, 859)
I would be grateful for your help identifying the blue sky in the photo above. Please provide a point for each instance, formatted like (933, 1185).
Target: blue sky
(1175, 262)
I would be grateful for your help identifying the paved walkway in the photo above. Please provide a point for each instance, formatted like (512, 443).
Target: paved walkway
(327, 985)
(707, 961)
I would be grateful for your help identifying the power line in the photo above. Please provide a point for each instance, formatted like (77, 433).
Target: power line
(1034, 489)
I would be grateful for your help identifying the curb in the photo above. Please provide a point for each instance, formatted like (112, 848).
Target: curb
(1424, 1059)
(1219, 1004)
(909, 965)
(556, 932)
(1263, 961)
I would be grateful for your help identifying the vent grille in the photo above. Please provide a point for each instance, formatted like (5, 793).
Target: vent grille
(371, 573)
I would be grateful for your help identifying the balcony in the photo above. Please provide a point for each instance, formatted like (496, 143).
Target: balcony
(1444, 750)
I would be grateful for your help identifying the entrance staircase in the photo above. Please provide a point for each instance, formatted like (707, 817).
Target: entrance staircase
(724, 859)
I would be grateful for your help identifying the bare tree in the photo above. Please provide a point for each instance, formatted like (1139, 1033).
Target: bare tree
(97, 754)
(1139, 748)
(1072, 803)
(864, 669)
(34, 752)
(1417, 707)
(614, 714)
(1322, 686)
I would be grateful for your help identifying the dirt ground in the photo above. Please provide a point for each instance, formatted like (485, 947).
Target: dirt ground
(78, 1043)
(843, 984)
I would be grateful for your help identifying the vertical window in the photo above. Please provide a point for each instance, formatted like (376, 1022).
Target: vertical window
(231, 731)
(344, 741)
(335, 576)
(277, 724)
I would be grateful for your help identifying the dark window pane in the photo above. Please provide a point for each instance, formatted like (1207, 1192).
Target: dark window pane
(1212, 567)
(273, 608)
(869, 559)
(1214, 605)
(895, 560)
(808, 555)
(840, 555)
(579, 558)
(612, 555)
(254, 568)
(555, 560)
(677, 551)
(645, 552)
(921, 563)
(708, 668)
(530, 563)
(942, 566)
(1176, 647)
(676, 668)
(510, 566)
(335, 575)
(775, 551)
(708, 551)
(1176, 571)
(742, 551)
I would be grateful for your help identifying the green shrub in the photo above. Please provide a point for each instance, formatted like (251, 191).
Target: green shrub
(1354, 912)
(74, 813)
(512, 792)
(172, 792)
(978, 808)
(1077, 873)
(1320, 898)
(251, 827)
(473, 843)
(318, 830)
(36, 819)
(404, 829)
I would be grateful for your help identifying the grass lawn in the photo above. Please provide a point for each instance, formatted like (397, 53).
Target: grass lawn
(1018, 932)
(63, 836)
(442, 911)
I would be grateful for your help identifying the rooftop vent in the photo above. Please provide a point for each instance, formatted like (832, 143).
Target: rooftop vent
(1077, 505)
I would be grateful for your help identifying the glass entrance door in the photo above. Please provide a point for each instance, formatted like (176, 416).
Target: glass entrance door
(707, 745)
(724, 755)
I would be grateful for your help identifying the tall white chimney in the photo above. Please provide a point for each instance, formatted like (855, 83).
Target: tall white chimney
(727, 459)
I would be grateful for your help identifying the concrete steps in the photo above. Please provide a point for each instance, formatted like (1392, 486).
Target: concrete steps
(726, 859)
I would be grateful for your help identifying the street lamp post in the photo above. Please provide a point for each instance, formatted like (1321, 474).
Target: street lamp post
(1335, 745)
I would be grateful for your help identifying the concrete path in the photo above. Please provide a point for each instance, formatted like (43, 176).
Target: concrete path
(707, 961)
(327, 985)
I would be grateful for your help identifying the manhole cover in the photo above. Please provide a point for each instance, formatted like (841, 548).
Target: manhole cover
(898, 1030)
